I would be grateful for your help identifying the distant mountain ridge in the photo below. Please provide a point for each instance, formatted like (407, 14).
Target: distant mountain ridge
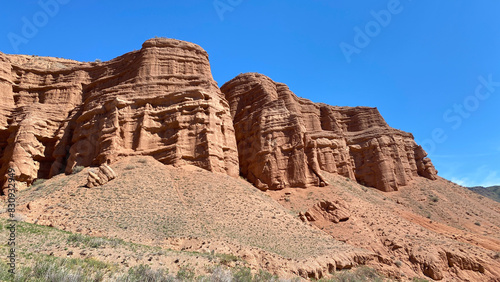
(492, 192)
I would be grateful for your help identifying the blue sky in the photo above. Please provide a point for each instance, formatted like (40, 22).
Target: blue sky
(431, 67)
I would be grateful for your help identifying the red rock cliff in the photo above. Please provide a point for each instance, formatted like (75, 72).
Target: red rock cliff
(160, 101)
(287, 141)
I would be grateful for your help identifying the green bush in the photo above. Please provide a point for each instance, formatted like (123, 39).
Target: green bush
(76, 239)
(225, 259)
(243, 274)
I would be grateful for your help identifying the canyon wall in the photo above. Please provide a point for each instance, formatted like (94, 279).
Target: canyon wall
(160, 101)
(284, 140)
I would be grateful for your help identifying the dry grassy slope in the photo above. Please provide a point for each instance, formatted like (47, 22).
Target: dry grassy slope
(428, 228)
(190, 209)
(36, 243)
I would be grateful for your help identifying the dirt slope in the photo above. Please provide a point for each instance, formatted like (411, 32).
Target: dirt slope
(429, 229)
(434, 228)
(189, 209)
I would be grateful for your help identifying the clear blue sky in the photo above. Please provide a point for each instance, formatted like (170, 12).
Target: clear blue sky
(430, 67)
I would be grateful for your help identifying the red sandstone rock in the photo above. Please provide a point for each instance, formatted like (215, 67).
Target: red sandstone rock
(100, 176)
(286, 141)
(326, 210)
(160, 101)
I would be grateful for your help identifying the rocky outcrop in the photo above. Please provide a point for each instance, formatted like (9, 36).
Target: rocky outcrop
(325, 210)
(100, 176)
(286, 141)
(160, 101)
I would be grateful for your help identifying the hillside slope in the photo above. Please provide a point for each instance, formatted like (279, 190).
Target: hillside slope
(435, 228)
(190, 209)
(427, 229)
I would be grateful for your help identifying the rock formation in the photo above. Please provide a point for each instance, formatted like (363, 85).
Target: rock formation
(160, 101)
(326, 210)
(100, 176)
(284, 140)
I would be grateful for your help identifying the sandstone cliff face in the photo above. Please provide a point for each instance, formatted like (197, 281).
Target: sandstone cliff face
(160, 101)
(287, 141)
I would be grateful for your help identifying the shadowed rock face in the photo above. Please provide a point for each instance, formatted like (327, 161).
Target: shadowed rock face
(160, 101)
(287, 141)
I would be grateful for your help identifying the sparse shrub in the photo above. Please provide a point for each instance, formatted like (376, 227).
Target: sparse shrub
(38, 182)
(98, 61)
(77, 169)
(264, 276)
(52, 271)
(358, 274)
(243, 274)
(129, 167)
(398, 263)
(433, 198)
(416, 279)
(146, 274)
(186, 273)
(97, 242)
(48, 268)
(477, 223)
(220, 274)
(142, 161)
(225, 259)
(91, 242)
(75, 238)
